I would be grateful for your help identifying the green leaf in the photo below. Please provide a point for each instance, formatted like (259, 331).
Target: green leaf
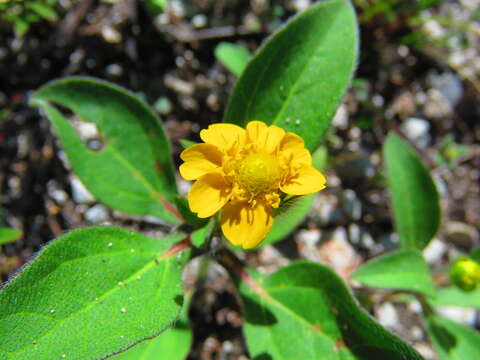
(475, 255)
(133, 172)
(234, 57)
(8, 235)
(187, 143)
(288, 216)
(298, 77)
(43, 10)
(452, 340)
(305, 311)
(414, 197)
(320, 158)
(91, 293)
(453, 296)
(20, 26)
(201, 235)
(156, 7)
(172, 344)
(404, 269)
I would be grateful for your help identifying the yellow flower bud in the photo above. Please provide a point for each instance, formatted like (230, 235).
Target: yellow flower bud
(465, 273)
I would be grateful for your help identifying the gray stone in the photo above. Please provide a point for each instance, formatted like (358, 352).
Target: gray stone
(435, 251)
(80, 194)
(96, 214)
(417, 131)
(387, 315)
(461, 315)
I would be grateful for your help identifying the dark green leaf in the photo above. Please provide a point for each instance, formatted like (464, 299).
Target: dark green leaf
(413, 194)
(305, 311)
(404, 269)
(90, 293)
(452, 340)
(475, 255)
(298, 77)
(8, 235)
(133, 172)
(234, 57)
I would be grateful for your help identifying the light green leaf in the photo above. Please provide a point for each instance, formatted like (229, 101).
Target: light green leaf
(172, 344)
(413, 194)
(187, 143)
(453, 296)
(8, 235)
(452, 340)
(201, 236)
(20, 26)
(298, 77)
(43, 10)
(156, 7)
(133, 172)
(287, 217)
(404, 269)
(91, 293)
(234, 57)
(305, 311)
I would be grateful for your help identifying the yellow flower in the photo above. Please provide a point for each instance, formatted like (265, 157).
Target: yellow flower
(246, 172)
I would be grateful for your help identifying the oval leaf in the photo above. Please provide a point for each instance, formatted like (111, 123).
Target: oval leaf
(305, 311)
(133, 172)
(405, 269)
(300, 74)
(414, 196)
(91, 293)
(452, 340)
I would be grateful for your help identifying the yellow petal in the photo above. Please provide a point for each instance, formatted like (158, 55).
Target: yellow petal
(199, 160)
(208, 194)
(292, 148)
(224, 136)
(266, 138)
(306, 181)
(244, 225)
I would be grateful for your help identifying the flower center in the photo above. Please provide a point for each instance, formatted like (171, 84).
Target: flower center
(258, 173)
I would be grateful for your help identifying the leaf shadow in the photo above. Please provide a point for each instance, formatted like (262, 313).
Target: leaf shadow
(263, 356)
(443, 336)
(257, 314)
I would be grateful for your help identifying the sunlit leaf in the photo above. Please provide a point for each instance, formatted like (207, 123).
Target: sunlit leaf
(91, 293)
(298, 77)
(133, 172)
